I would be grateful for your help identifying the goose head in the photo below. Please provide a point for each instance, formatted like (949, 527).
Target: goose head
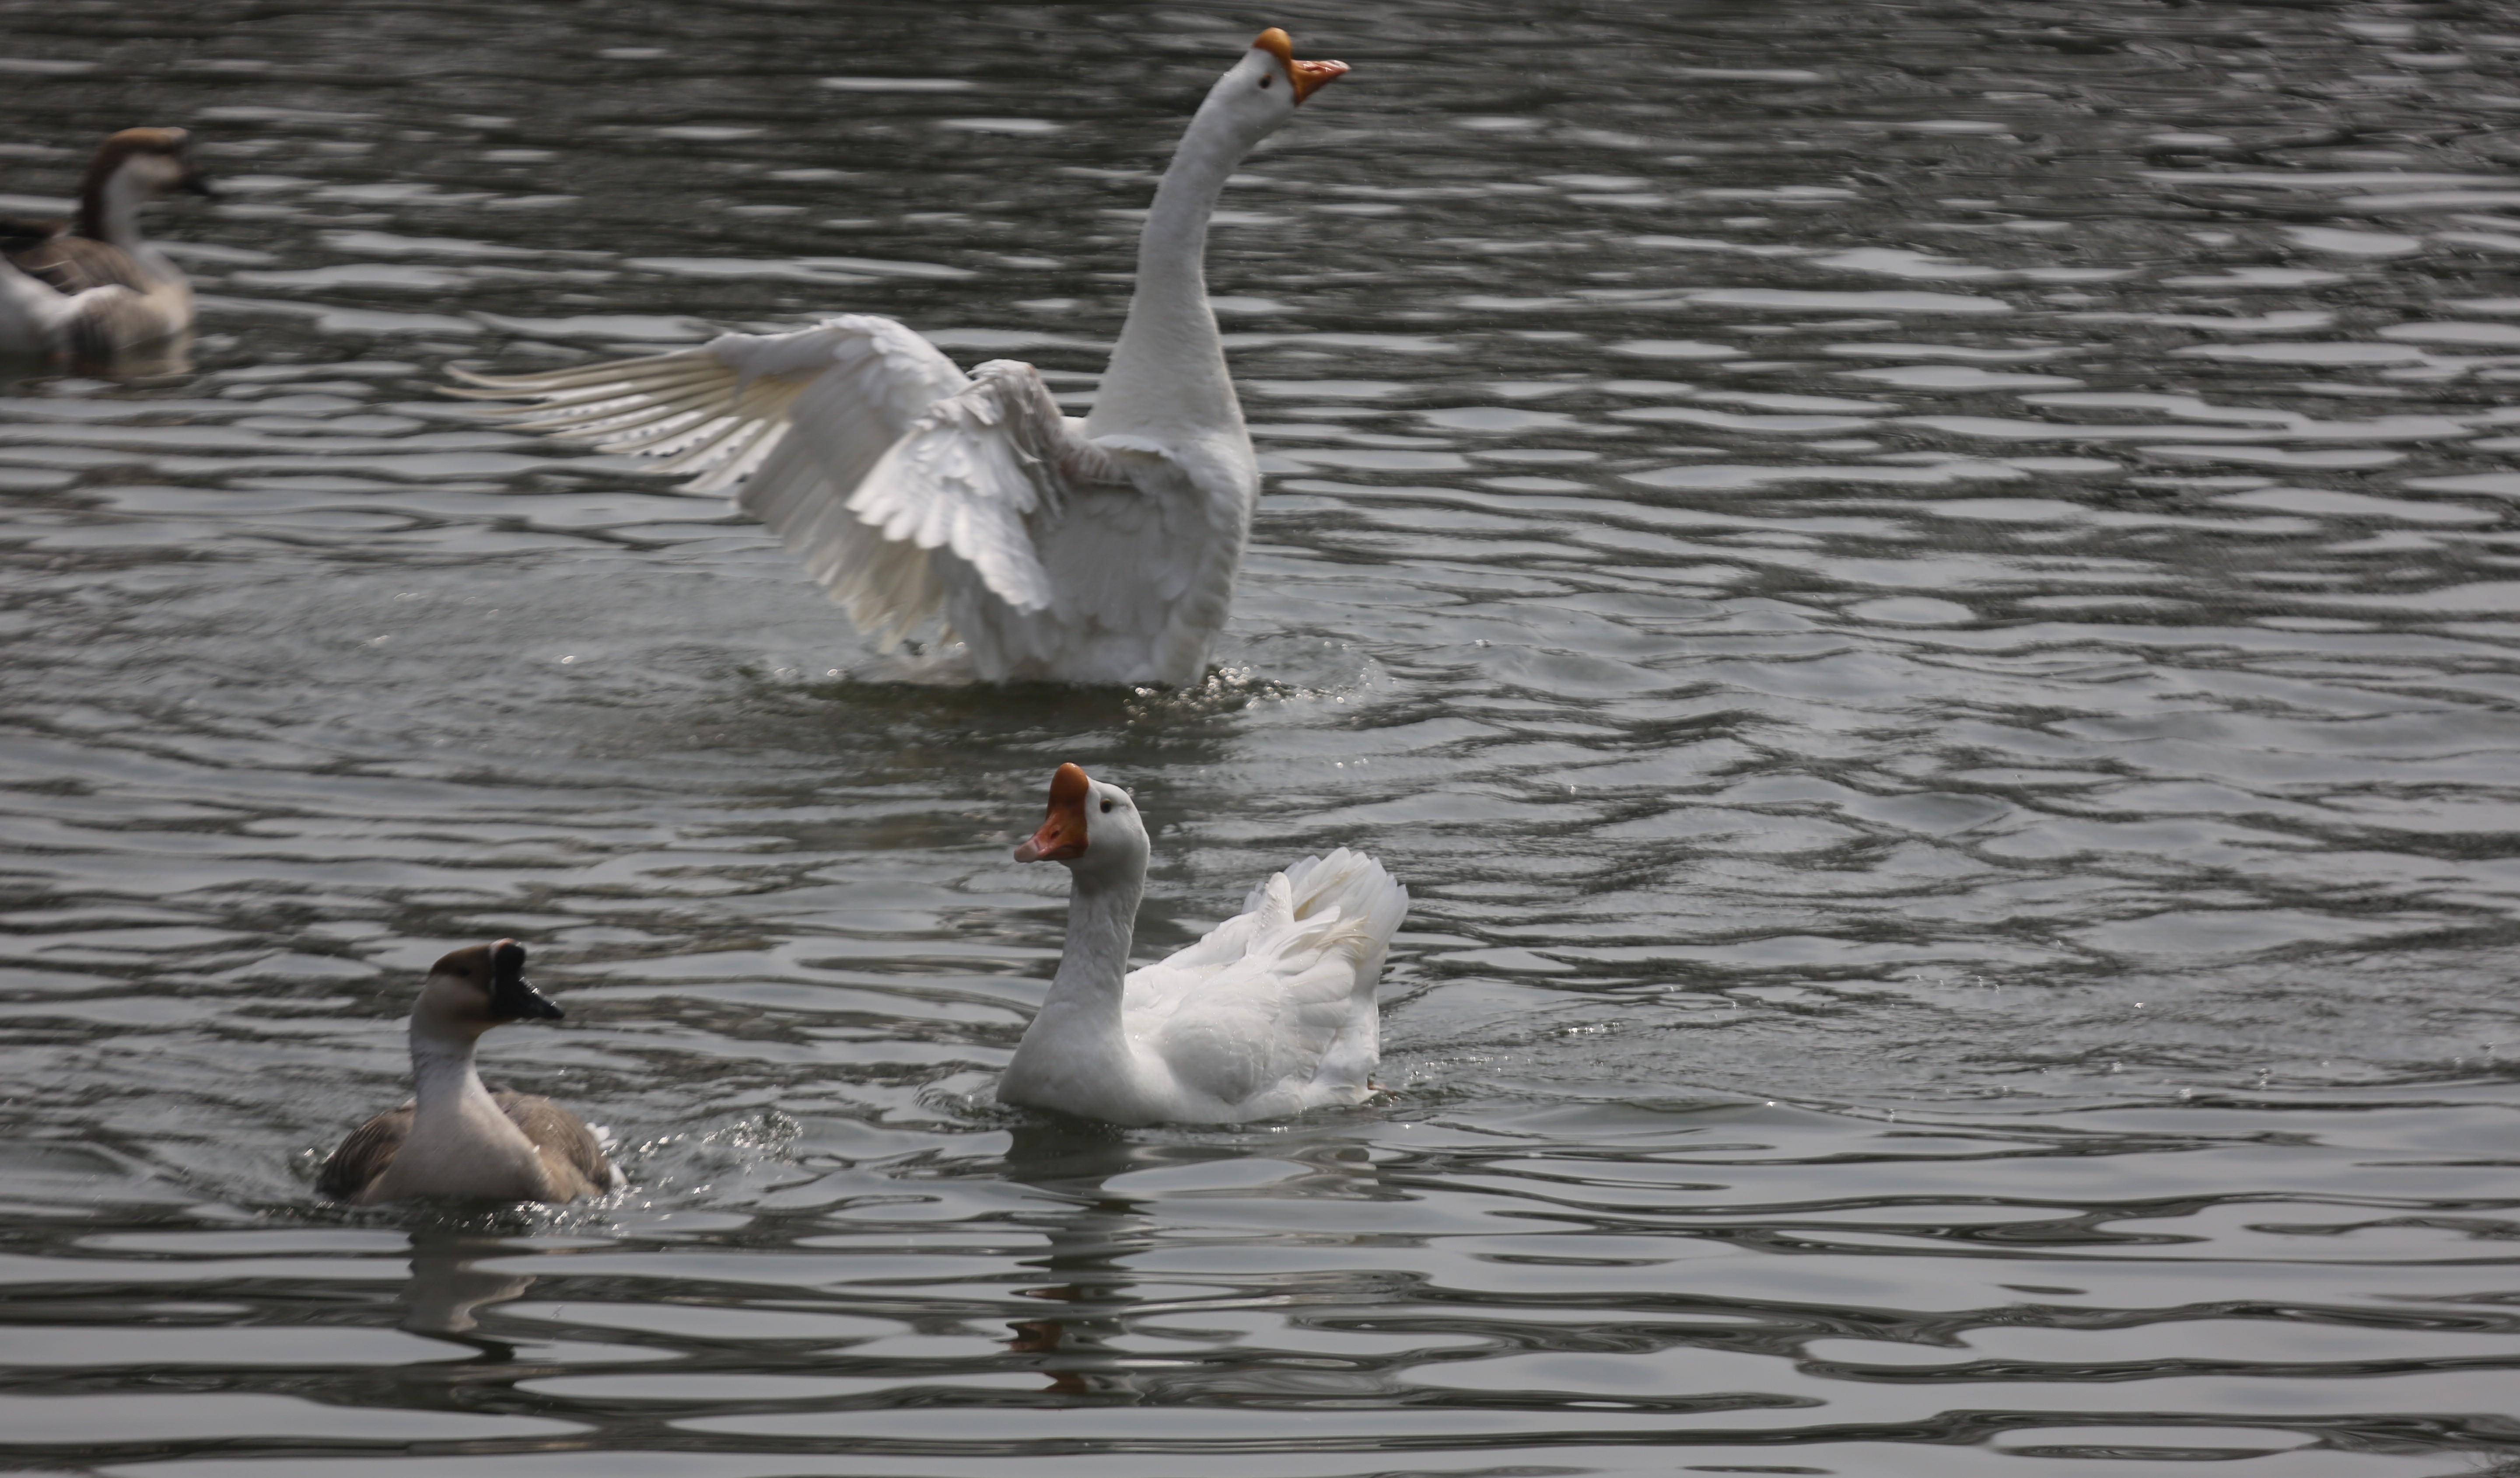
(1258, 93)
(1091, 826)
(131, 169)
(473, 990)
(146, 163)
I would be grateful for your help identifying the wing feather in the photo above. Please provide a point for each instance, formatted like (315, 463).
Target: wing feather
(365, 1153)
(910, 492)
(74, 264)
(798, 418)
(1278, 1002)
(557, 1133)
(980, 474)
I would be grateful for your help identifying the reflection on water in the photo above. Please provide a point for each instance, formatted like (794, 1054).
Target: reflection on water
(1077, 1341)
(448, 1286)
(1923, 597)
(163, 363)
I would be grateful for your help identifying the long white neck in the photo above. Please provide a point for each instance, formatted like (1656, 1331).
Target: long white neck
(1168, 372)
(1101, 924)
(442, 1076)
(112, 213)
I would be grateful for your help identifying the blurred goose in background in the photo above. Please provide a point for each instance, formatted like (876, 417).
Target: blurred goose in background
(1095, 550)
(456, 1139)
(1270, 1014)
(91, 288)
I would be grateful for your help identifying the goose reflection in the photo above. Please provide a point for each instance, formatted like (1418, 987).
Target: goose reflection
(448, 1288)
(136, 365)
(1090, 1242)
(1095, 1234)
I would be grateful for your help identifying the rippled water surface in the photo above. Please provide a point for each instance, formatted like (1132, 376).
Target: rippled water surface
(1925, 594)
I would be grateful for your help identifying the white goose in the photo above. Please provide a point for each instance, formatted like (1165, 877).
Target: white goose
(1270, 1014)
(1101, 551)
(91, 289)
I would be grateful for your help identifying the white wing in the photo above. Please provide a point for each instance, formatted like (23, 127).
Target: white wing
(805, 416)
(722, 408)
(860, 445)
(1274, 1010)
(1140, 575)
(91, 323)
(977, 473)
(914, 492)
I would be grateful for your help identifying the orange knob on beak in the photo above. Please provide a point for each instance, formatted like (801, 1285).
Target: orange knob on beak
(1063, 831)
(1306, 77)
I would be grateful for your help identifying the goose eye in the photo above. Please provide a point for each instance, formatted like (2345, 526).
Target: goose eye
(1264, 81)
(1107, 805)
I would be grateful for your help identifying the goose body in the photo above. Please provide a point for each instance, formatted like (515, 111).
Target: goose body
(91, 289)
(924, 499)
(456, 1139)
(1272, 1014)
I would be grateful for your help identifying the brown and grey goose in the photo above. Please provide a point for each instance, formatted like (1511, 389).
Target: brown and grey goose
(456, 1139)
(91, 287)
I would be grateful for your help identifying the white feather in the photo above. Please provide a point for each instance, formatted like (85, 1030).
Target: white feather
(1275, 1008)
(918, 496)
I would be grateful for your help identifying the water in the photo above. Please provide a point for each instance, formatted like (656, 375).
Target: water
(1923, 595)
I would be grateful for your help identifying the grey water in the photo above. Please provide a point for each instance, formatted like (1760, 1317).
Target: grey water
(1926, 595)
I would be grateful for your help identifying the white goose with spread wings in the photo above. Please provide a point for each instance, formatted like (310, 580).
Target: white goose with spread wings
(1095, 550)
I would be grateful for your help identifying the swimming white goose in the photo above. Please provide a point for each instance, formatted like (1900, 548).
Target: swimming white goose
(1270, 1014)
(457, 1139)
(1101, 551)
(91, 289)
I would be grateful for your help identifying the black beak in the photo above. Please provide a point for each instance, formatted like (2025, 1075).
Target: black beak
(521, 1002)
(198, 183)
(510, 998)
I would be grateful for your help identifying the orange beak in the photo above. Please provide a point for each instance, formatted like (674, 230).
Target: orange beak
(1306, 77)
(1063, 831)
